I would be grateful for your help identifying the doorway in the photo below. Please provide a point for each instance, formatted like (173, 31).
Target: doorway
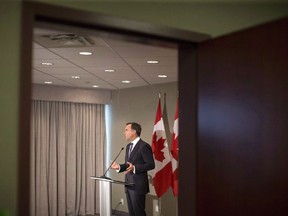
(41, 15)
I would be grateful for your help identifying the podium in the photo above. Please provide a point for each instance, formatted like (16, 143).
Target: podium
(105, 186)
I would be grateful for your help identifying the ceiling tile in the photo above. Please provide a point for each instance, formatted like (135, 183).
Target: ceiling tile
(37, 46)
(44, 54)
(134, 83)
(99, 83)
(163, 60)
(99, 62)
(57, 63)
(120, 73)
(40, 79)
(98, 52)
(74, 71)
(156, 70)
(144, 51)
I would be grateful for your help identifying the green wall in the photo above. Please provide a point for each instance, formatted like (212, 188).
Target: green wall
(9, 81)
(214, 19)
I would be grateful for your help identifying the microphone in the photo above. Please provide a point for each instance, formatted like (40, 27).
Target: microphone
(104, 175)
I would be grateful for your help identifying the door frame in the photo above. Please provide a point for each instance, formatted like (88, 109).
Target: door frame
(186, 41)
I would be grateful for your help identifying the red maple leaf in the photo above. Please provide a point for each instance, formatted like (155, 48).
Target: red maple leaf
(157, 146)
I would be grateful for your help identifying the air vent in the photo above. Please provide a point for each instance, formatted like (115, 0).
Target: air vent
(65, 40)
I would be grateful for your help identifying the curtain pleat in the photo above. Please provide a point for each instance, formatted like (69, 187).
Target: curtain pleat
(67, 148)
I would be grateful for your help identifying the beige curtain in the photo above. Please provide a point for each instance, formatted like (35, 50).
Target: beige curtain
(67, 147)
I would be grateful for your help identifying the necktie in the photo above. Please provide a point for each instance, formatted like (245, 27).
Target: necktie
(130, 149)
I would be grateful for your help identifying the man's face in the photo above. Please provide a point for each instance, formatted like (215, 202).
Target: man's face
(129, 133)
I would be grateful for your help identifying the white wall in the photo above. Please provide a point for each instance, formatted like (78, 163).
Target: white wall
(73, 95)
(138, 105)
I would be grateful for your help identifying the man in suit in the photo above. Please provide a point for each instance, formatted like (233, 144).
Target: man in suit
(138, 160)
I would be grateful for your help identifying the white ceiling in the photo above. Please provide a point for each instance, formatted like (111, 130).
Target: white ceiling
(129, 60)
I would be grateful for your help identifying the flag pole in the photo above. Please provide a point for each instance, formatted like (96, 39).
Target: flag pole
(166, 123)
(159, 199)
(177, 207)
(162, 175)
(160, 206)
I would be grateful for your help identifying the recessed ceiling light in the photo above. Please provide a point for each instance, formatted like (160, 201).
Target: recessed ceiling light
(85, 53)
(75, 77)
(162, 76)
(95, 86)
(152, 62)
(126, 81)
(109, 70)
(47, 63)
(48, 82)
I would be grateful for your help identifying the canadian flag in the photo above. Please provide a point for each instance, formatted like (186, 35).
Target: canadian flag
(174, 153)
(162, 174)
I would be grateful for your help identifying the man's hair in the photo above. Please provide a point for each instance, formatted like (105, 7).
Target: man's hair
(135, 126)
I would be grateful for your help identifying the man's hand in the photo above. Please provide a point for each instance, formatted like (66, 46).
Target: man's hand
(130, 168)
(115, 166)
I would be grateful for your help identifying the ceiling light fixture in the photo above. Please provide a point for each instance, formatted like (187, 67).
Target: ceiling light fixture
(126, 81)
(152, 62)
(162, 76)
(75, 77)
(95, 86)
(85, 53)
(47, 63)
(109, 70)
(48, 82)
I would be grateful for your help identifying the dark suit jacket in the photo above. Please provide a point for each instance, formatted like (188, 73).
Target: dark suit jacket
(142, 158)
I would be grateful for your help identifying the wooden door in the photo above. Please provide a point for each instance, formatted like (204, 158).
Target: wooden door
(242, 152)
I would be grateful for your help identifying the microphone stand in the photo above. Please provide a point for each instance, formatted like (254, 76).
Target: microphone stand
(104, 175)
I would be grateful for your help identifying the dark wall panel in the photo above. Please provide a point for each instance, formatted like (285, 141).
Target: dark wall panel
(243, 123)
